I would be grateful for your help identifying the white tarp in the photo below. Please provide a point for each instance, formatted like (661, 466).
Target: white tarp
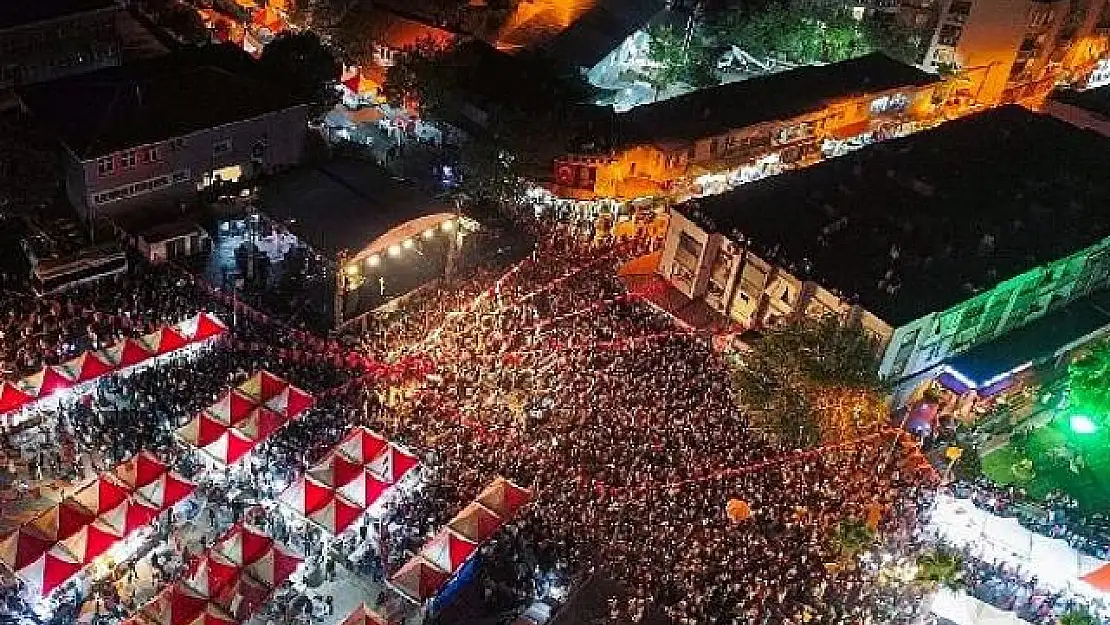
(991, 538)
(963, 609)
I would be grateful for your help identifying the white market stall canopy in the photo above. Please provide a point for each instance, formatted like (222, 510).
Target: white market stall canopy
(963, 609)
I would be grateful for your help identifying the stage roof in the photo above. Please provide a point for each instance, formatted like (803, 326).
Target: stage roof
(348, 205)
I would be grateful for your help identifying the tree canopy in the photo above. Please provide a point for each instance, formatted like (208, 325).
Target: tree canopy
(678, 59)
(812, 380)
(305, 66)
(1089, 383)
(29, 165)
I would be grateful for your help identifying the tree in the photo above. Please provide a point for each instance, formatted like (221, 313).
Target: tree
(1088, 383)
(30, 169)
(811, 380)
(305, 66)
(679, 59)
(1077, 616)
(852, 537)
(941, 566)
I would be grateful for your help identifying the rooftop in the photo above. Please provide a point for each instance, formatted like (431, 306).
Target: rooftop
(147, 102)
(780, 96)
(1096, 100)
(396, 30)
(345, 204)
(916, 225)
(601, 29)
(15, 13)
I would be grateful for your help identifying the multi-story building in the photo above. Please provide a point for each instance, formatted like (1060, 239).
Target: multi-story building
(933, 243)
(47, 39)
(1016, 50)
(157, 132)
(706, 140)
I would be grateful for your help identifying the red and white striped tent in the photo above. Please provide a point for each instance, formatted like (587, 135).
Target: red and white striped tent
(362, 445)
(203, 429)
(232, 408)
(504, 498)
(102, 494)
(242, 597)
(242, 544)
(475, 523)
(50, 570)
(448, 551)
(176, 605)
(363, 615)
(335, 471)
(418, 580)
(61, 521)
(260, 423)
(392, 464)
(230, 447)
(290, 401)
(166, 491)
(128, 352)
(210, 574)
(164, 341)
(142, 469)
(274, 567)
(305, 496)
(91, 541)
(213, 615)
(203, 326)
(88, 366)
(129, 516)
(336, 515)
(262, 386)
(12, 397)
(47, 381)
(364, 490)
(22, 548)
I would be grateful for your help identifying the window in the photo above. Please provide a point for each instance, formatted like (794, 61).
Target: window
(127, 160)
(221, 147)
(148, 155)
(105, 166)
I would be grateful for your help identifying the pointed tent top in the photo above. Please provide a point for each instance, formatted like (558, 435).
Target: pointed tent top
(211, 574)
(176, 605)
(362, 445)
(61, 521)
(51, 570)
(88, 366)
(298, 401)
(335, 471)
(12, 398)
(206, 327)
(274, 567)
(392, 464)
(260, 424)
(232, 408)
(21, 549)
(418, 580)
(90, 542)
(243, 544)
(263, 386)
(242, 597)
(448, 550)
(306, 495)
(475, 523)
(364, 490)
(336, 515)
(504, 498)
(128, 352)
(201, 430)
(363, 615)
(230, 447)
(102, 494)
(46, 382)
(166, 491)
(142, 469)
(166, 340)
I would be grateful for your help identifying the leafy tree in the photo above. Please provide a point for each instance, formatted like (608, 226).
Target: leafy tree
(677, 58)
(852, 537)
(1089, 383)
(305, 66)
(811, 380)
(30, 170)
(1078, 616)
(941, 566)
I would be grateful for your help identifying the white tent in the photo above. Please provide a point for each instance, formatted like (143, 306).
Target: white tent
(963, 609)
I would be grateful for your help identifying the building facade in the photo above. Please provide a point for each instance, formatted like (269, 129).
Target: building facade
(59, 38)
(827, 114)
(1017, 50)
(858, 264)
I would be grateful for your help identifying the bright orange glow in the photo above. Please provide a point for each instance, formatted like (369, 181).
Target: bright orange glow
(536, 21)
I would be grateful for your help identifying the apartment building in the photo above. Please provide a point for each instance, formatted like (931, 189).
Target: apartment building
(691, 144)
(157, 132)
(42, 40)
(930, 258)
(1017, 50)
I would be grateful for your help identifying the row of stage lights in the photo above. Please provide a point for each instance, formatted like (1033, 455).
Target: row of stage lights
(375, 260)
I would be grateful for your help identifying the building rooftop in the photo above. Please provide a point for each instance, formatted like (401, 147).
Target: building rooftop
(15, 13)
(916, 225)
(345, 204)
(121, 107)
(394, 29)
(601, 29)
(780, 96)
(1096, 100)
